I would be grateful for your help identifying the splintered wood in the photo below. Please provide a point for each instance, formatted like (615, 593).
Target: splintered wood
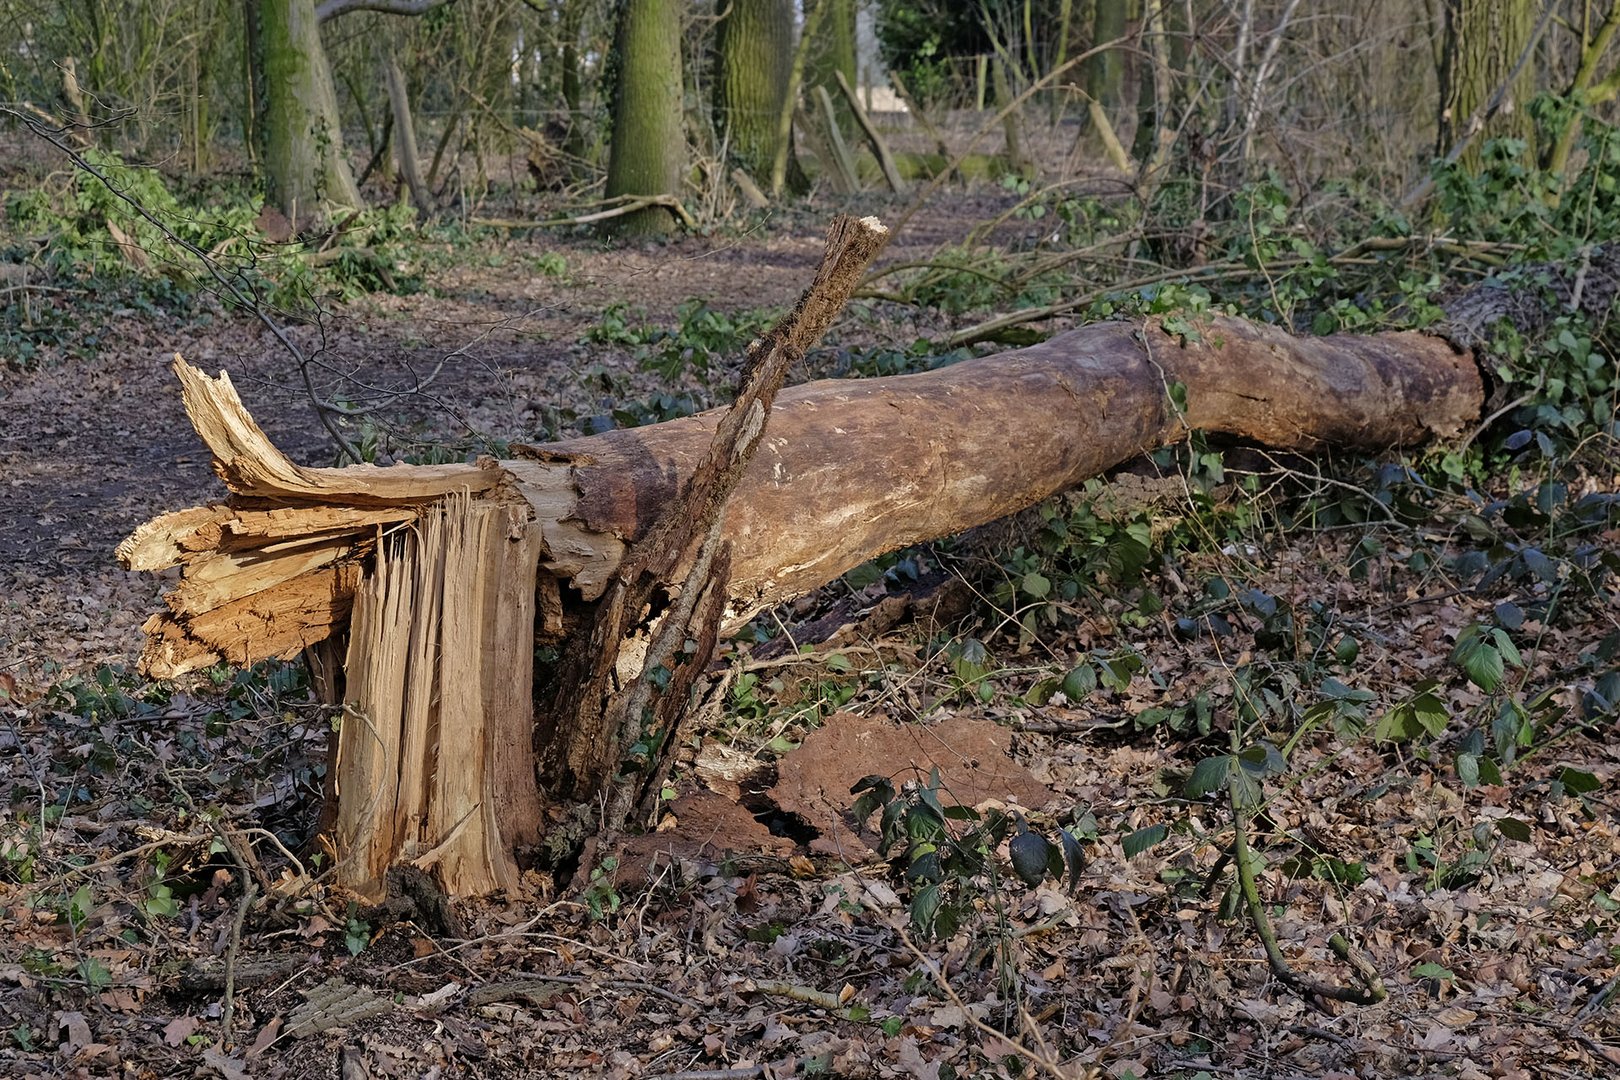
(434, 759)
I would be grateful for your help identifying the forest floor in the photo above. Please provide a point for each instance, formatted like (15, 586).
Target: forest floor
(158, 916)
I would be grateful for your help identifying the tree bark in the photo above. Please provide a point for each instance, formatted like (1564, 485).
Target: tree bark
(410, 162)
(833, 50)
(1484, 42)
(811, 504)
(648, 150)
(306, 169)
(753, 59)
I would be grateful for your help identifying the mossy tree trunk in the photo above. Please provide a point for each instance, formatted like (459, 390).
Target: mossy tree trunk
(1105, 72)
(1484, 40)
(573, 16)
(754, 60)
(834, 51)
(648, 149)
(306, 170)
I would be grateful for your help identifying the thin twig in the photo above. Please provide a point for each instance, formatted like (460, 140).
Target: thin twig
(1372, 986)
(228, 1005)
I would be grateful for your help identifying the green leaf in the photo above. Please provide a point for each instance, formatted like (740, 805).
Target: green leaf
(1074, 857)
(1208, 776)
(1079, 683)
(1433, 971)
(1511, 729)
(1509, 651)
(1117, 672)
(1246, 789)
(1263, 759)
(1468, 769)
(1513, 829)
(1037, 585)
(1399, 724)
(925, 908)
(864, 575)
(1142, 839)
(1577, 782)
(1482, 663)
(94, 973)
(1431, 712)
(1338, 691)
(1042, 691)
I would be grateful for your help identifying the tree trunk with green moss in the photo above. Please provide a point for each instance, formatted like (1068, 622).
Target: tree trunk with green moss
(1105, 72)
(833, 51)
(306, 170)
(648, 150)
(754, 58)
(1484, 40)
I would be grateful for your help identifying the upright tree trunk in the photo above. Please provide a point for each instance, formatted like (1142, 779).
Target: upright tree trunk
(1484, 40)
(648, 150)
(1105, 72)
(754, 59)
(1164, 31)
(572, 19)
(306, 170)
(410, 162)
(833, 51)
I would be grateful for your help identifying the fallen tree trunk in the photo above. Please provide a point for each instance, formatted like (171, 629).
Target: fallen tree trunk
(445, 577)
(851, 469)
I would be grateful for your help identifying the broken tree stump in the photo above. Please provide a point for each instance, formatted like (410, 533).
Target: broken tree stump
(631, 551)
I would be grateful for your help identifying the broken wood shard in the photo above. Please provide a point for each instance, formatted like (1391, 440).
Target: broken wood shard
(442, 577)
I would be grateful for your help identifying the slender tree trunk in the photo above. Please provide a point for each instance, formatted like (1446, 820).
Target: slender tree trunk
(648, 150)
(572, 18)
(410, 162)
(306, 170)
(832, 51)
(1484, 40)
(754, 59)
(1105, 72)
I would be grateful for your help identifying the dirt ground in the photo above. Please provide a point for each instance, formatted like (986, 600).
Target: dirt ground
(156, 919)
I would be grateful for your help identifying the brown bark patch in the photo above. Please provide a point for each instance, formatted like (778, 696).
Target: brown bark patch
(973, 757)
(703, 826)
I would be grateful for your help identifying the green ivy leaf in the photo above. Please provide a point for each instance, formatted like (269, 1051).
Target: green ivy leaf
(1513, 829)
(1142, 839)
(1482, 663)
(1577, 782)
(1208, 776)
